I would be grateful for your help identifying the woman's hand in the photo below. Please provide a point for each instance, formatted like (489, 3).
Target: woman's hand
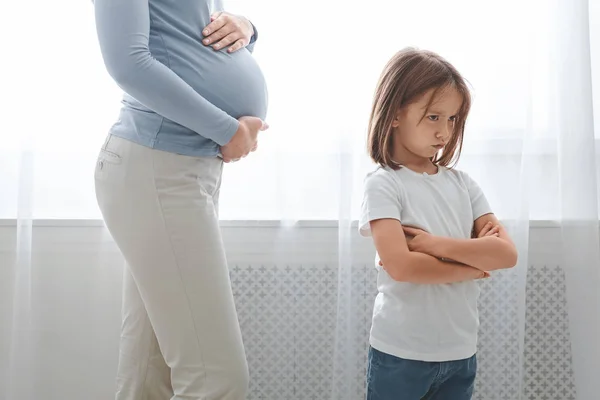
(227, 29)
(245, 139)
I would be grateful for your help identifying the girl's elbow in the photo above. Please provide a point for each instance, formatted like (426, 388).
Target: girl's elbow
(511, 258)
(397, 271)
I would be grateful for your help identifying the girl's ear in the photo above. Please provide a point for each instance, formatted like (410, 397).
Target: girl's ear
(396, 121)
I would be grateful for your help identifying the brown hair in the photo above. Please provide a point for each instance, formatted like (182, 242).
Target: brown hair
(406, 77)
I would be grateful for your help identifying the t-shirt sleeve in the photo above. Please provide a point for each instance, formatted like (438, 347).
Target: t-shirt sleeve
(479, 203)
(381, 199)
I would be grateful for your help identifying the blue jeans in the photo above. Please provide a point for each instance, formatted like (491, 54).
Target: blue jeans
(393, 378)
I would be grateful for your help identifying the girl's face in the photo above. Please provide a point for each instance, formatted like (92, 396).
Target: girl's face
(418, 138)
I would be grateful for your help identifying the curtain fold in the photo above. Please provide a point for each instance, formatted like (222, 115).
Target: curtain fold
(578, 183)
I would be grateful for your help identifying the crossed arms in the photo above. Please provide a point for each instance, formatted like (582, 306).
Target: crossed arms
(413, 255)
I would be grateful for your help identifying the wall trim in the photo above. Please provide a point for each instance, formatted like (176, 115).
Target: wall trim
(78, 223)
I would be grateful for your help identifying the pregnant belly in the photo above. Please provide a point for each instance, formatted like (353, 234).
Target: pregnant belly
(232, 82)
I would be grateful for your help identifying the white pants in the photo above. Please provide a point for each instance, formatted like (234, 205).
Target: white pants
(180, 336)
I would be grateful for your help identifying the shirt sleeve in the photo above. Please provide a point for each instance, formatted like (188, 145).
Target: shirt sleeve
(381, 199)
(479, 203)
(123, 28)
(253, 39)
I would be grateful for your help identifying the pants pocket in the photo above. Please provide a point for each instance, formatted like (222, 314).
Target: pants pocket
(109, 163)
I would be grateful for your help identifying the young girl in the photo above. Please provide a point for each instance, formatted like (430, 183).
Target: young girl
(422, 216)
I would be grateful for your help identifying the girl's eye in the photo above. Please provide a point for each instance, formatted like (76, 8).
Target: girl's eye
(453, 118)
(433, 117)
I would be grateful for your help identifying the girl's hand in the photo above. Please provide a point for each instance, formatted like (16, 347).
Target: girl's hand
(419, 240)
(489, 229)
(227, 29)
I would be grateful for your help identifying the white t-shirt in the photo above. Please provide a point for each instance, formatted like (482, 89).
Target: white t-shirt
(426, 322)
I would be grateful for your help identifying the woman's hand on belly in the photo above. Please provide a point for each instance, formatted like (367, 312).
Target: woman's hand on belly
(245, 139)
(227, 29)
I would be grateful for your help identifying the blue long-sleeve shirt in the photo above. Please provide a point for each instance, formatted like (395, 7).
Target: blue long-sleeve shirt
(180, 95)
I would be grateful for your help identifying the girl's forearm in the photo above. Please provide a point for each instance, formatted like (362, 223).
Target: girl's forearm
(425, 269)
(487, 253)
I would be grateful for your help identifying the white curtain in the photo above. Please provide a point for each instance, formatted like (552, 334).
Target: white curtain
(534, 66)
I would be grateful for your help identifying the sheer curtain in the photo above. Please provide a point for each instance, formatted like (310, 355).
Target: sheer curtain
(534, 67)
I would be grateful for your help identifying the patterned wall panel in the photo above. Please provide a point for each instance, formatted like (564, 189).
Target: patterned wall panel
(287, 313)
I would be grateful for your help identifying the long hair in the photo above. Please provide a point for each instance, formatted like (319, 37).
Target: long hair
(405, 79)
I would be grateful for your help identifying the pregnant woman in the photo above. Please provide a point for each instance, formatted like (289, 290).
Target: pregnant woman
(194, 98)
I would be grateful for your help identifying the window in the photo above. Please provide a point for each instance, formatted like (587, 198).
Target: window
(321, 66)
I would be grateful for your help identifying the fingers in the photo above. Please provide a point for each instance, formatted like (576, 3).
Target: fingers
(256, 125)
(230, 156)
(245, 140)
(222, 38)
(486, 228)
(236, 46)
(215, 15)
(214, 26)
(232, 37)
(408, 231)
(483, 275)
(489, 230)
(495, 231)
(222, 32)
(412, 231)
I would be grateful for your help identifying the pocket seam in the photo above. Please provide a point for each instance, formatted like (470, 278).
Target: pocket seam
(109, 156)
